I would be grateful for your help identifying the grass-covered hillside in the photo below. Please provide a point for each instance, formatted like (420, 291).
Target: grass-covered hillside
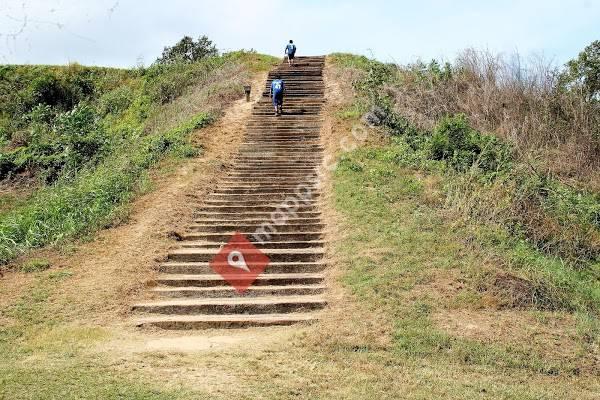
(520, 151)
(475, 231)
(76, 142)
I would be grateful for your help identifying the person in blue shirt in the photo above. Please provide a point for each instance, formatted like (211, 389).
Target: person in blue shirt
(290, 52)
(276, 93)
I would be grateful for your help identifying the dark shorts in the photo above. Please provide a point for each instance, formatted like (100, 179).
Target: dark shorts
(291, 55)
(278, 98)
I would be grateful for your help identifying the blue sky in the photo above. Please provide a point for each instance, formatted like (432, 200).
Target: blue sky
(124, 32)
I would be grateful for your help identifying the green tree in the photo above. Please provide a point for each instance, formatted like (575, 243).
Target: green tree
(584, 71)
(187, 50)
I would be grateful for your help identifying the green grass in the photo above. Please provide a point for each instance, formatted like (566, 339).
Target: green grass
(95, 198)
(256, 62)
(9, 201)
(43, 357)
(347, 60)
(487, 178)
(92, 134)
(71, 380)
(411, 242)
(35, 265)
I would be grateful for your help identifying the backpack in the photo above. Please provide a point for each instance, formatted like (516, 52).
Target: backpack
(291, 48)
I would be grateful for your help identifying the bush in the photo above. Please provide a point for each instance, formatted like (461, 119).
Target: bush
(462, 147)
(90, 201)
(42, 114)
(188, 51)
(46, 89)
(75, 140)
(165, 83)
(93, 155)
(167, 89)
(61, 91)
(57, 144)
(583, 73)
(116, 101)
(523, 102)
(82, 137)
(488, 179)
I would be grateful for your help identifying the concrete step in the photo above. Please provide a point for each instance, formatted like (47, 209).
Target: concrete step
(285, 228)
(277, 184)
(256, 148)
(276, 236)
(240, 216)
(306, 244)
(249, 188)
(203, 268)
(258, 221)
(249, 204)
(281, 200)
(296, 158)
(298, 169)
(269, 181)
(260, 197)
(276, 174)
(276, 166)
(299, 152)
(274, 208)
(213, 279)
(307, 197)
(229, 291)
(275, 255)
(246, 191)
(255, 305)
(189, 322)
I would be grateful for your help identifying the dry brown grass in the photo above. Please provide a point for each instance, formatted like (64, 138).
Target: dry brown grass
(522, 101)
(211, 94)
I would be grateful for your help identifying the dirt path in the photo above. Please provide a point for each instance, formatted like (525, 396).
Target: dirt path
(109, 274)
(270, 197)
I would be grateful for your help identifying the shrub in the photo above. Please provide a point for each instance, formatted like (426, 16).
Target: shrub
(116, 101)
(57, 144)
(42, 114)
(75, 139)
(583, 73)
(167, 89)
(92, 155)
(187, 50)
(46, 89)
(165, 83)
(462, 147)
(91, 200)
(81, 134)
(488, 178)
(523, 102)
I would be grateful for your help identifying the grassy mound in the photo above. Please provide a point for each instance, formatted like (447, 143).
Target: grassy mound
(83, 138)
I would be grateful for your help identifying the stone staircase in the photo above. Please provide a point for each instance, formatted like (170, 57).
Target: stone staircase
(278, 159)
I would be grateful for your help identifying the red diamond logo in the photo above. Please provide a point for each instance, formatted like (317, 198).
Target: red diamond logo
(239, 262)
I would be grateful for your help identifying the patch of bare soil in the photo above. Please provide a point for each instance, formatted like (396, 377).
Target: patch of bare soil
(553, 335)
(11, 287)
